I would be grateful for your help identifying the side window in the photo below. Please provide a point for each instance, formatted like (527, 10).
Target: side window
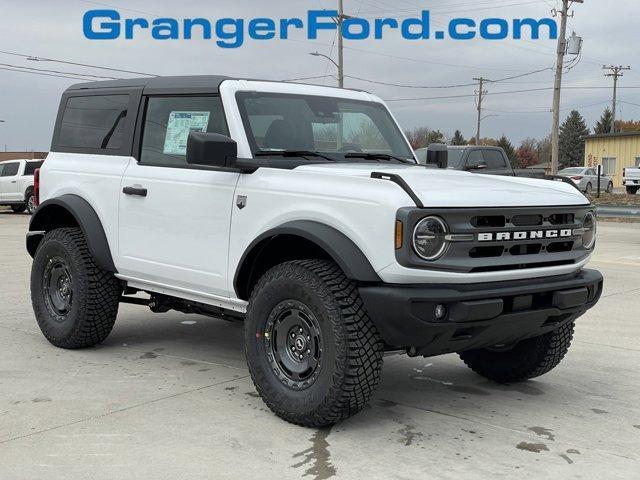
(169, 120)
(475, 158)
(591, 172)
(10, 169)
(96, 122)
(608, 166)
(31, 167)
(494, 160)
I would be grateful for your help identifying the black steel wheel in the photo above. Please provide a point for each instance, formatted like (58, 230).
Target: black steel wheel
(57, 288)
(293, 343)
(313, 353)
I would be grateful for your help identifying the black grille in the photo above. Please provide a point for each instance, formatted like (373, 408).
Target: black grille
(521, 251)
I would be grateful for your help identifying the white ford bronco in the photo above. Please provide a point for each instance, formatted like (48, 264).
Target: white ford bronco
(301, 211)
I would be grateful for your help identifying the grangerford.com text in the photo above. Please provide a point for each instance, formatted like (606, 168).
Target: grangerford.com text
(108, 24)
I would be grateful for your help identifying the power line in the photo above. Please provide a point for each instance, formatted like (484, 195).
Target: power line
(43, 74)
(401, 85)
(66, 62)
(58, 72)
(435, 87)
(307, 78)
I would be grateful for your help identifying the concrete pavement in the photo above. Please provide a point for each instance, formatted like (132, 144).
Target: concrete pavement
(167, 396)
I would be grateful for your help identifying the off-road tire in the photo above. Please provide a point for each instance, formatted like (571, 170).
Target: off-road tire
(528, 359)
(18, 208)
(632, 190)
(95, 292)
(352, 351)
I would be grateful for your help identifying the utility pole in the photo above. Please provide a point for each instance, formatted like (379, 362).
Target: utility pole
(481, 94)
(616, 72)
(562, 48)
(339, 20)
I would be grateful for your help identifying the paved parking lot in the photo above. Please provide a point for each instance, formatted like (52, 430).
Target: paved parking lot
(167, 396)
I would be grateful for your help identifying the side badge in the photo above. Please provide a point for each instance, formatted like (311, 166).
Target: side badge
(241, 201)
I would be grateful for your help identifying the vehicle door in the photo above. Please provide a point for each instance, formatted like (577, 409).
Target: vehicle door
(9, 182)
(591, 176)
(475, 162)
(174, 218)
(496, 162)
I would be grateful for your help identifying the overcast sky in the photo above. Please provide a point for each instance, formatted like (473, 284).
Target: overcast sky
(53, 29)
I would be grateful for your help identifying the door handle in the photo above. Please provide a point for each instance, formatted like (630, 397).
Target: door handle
(138, 191)
(14, 181)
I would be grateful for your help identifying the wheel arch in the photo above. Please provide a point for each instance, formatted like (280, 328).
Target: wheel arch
(298, 240)
(71, 211)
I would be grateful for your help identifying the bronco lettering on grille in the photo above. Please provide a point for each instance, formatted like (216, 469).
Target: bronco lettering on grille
(530, 235)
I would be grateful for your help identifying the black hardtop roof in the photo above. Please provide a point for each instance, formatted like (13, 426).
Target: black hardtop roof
(170, 84)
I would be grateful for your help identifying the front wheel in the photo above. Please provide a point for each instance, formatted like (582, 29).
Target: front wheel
(527, 359)
(75, 301)
(313, 353)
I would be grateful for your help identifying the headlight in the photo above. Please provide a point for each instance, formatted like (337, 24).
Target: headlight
(429, 238)
(589, 225)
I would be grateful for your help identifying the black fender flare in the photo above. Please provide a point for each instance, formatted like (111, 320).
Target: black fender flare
(339, 247)
(65, 211)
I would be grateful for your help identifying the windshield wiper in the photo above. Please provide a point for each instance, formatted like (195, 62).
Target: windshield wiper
(291, 153)
(376, 156)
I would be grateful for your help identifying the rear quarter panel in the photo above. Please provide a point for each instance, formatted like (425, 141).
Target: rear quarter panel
(95, 178)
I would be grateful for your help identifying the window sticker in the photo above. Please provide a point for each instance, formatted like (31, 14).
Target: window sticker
(178, 128)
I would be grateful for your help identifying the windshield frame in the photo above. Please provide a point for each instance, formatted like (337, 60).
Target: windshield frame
(339, 156)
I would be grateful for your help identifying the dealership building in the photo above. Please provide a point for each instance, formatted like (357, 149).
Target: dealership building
(614, 151)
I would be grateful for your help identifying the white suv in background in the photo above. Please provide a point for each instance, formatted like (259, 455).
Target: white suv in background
(16, 184)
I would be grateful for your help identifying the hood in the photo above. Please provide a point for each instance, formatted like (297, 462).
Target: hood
(453, 188)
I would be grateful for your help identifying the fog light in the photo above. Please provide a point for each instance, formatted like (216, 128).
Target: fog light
(440, 311)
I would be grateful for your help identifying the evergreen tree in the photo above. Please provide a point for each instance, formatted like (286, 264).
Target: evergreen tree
(458, 139)
(571, 143)
(604, 124)
(435, 136)
(506, 145)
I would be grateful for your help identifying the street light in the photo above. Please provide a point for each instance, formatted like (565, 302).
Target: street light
(340, 75)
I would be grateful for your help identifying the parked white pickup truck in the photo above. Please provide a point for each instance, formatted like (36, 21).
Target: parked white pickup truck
(16, 184)
(631, 180)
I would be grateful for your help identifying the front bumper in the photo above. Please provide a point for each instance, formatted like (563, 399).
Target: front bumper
(477, 315)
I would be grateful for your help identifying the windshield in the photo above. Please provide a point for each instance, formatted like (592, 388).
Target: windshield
(277, 122)
(454, 157)
(570, 171)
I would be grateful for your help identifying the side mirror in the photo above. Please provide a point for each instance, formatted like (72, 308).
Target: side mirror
(479, 166)
(438, 155)
(211, 149)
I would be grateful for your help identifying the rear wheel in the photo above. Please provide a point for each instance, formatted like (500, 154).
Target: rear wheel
(527, 359)
(632, 190)
(31, 204)
(313, 353)
(588, 189)
(75, 301)
(18, 208)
